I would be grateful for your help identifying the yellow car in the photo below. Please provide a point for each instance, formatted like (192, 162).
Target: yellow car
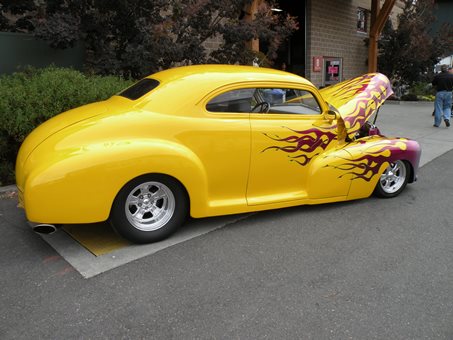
(211, 140)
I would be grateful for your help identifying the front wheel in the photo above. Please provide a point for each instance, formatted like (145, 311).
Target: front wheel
(393, 180)
(149, 208)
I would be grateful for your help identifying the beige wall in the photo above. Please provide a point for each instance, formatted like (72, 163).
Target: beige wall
(332, 32)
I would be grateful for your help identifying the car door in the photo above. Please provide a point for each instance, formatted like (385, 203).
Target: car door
(288, 131)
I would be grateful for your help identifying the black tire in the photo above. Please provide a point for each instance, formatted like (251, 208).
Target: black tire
(149, 208)
(394, 179)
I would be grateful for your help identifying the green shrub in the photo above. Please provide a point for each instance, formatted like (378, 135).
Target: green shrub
(32, 96)
(409, 97)
(420, 91)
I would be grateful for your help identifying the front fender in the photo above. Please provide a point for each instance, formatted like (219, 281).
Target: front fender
(371, 155)
(79, 186)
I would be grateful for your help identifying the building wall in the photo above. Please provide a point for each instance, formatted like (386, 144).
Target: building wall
(332, 32)
(444, 15)
(20, 49)
(212, 44)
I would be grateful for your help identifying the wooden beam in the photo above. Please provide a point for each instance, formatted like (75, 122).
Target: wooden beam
(374, 11)
(379, 18)
(250, 12)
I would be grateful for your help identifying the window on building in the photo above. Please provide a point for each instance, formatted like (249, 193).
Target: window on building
(362, 20)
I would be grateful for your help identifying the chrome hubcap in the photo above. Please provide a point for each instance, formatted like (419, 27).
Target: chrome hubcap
(393, 177)
(149, 206)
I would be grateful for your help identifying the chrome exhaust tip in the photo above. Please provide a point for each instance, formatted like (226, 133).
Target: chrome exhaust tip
(45, 229)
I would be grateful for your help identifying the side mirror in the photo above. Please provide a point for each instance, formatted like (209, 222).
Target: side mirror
(332, 115)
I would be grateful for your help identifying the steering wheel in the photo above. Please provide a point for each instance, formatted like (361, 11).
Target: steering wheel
(263, 107)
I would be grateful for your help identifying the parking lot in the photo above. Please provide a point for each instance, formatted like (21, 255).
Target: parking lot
(368, 269)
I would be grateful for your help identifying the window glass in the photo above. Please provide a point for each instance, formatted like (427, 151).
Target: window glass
(266, 100)
(361, 20)
(232, 101)
(288, 101)
(139, 89)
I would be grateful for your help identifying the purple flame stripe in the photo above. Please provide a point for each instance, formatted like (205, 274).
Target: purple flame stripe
(305, 158)
(353, 86)
(367, 166)
(369, 98)
(305, 143)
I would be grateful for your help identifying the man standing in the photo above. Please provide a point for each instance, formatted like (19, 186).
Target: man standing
(450, 70)
(443, 82)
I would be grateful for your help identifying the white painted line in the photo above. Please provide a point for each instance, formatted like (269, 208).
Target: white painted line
(89, 265)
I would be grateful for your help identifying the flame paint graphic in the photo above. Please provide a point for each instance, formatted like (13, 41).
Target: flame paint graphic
(305, 145)
(368, 162)
(358, 98)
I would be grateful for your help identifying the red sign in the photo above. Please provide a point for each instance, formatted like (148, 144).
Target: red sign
(333, 70)
(317, 64)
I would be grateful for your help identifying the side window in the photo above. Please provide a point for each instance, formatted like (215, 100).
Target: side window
(288, 101)
(266, 100)
(232, 101)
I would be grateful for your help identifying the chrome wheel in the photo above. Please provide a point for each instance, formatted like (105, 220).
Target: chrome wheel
(394, 178)
(149, 206)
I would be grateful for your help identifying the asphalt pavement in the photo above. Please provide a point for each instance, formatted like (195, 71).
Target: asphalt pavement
(367, 269)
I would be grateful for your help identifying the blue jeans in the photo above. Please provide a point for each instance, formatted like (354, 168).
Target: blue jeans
(442, 106)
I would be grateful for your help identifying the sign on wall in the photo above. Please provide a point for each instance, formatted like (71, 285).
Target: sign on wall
(332, 70)
(317, 64)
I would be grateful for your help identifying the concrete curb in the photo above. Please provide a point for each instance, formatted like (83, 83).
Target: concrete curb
(8, 188)
(401, 102)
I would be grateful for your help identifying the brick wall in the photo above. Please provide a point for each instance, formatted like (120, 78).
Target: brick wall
(332, 32)
(212, 44)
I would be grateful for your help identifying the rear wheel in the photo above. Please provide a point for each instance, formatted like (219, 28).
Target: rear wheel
(393, 180)
(149, 208)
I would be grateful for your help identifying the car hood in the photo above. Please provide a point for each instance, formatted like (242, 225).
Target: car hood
(357, 99)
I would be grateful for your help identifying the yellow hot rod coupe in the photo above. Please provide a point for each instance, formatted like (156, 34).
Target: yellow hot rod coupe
(211, 140)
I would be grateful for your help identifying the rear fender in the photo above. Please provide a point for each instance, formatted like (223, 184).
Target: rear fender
(67, 190)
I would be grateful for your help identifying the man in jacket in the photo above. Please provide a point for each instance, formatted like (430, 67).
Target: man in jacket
(443, 82)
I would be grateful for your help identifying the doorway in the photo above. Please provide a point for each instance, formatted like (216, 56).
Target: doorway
(292, 52)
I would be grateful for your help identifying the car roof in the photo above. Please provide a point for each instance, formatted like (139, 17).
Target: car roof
(226, 74)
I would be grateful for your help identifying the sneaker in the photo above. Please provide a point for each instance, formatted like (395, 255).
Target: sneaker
(436, 125)
(447, 122)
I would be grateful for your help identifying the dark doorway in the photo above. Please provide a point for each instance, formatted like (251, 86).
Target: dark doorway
(292, 52)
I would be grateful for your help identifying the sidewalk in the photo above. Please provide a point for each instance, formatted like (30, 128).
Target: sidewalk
(413, 120)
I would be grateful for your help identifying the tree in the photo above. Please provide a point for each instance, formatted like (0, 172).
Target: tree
(138, 37)
(16, 16)
(409, 52)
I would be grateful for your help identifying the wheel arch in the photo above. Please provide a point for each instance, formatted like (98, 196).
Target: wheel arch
(93, 188)
(370, 157)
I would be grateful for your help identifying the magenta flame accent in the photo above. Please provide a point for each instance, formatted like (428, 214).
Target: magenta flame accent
(304, 144)
(367, 166)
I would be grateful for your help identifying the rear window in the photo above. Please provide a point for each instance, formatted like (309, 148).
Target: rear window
(139, 89)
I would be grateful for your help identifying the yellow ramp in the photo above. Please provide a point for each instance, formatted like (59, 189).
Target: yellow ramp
(98, 238)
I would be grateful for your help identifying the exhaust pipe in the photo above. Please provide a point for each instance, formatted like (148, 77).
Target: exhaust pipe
(44, 228)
